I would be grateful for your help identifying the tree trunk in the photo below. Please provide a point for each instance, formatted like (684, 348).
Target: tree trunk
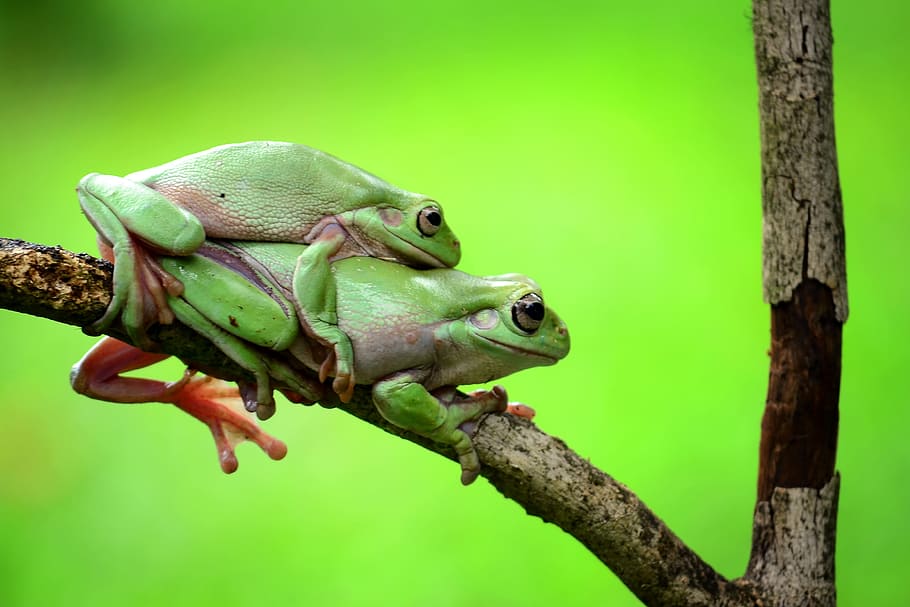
(804, 276)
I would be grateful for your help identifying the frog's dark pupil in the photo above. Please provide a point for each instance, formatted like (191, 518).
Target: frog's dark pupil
(434, 217)
(535, 310)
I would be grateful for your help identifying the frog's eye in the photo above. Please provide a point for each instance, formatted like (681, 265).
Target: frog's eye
(528, 312)
(429, 220)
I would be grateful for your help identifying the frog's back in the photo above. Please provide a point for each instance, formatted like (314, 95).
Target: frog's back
(400, 291)
(265, 190)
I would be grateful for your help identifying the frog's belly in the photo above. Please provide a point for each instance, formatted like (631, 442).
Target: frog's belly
(385, 352)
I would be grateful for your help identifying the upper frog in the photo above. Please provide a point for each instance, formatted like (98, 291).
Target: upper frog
(262, 191)
(284, 192)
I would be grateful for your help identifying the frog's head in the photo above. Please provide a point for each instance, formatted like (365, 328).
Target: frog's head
(409, 228)
(519, 332)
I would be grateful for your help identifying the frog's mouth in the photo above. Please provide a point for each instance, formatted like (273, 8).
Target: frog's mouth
(549, 358)
(417, 255)
(404, 249)
(380, 235)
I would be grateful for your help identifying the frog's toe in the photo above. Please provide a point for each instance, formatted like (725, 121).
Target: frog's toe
(340, 370)
(343, 385)
(467, 457)
(327, 368)
(156, 284)
(248, 392)
(257, 397)
(218, 404)
(224, 434)
(265, 410)
(469, 476)
(495, 400)
(521, 410)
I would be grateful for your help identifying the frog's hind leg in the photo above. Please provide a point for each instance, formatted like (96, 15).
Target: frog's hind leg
(140, 284)
(214, 402)
(146, 298)
(264, 367)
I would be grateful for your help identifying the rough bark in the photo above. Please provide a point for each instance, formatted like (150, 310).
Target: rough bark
(803, 229)
(793, 546)
(537, 470)
(804, 278)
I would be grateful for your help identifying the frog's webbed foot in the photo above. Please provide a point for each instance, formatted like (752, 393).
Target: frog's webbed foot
(214, 402)
(464, 411)
(219, 405)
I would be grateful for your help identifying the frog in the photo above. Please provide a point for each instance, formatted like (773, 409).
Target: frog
(261, 191)
(416, 336)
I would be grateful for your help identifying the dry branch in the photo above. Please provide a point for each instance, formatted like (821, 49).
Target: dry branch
(537, 470)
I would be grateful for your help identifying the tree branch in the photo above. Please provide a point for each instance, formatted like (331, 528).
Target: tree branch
(537, 470)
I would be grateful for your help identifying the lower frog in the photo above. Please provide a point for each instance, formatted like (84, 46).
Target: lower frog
(416, 336)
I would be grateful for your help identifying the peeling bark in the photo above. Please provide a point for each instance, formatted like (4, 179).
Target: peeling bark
(803, 253)
(793, 545)
(804, 278)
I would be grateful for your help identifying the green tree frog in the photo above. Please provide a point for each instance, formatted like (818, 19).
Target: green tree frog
(262, 191)
(416, 335)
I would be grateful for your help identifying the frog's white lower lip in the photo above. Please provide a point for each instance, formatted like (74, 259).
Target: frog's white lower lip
(522, 351)
(417, 255)
(420, 257)
(425, 257)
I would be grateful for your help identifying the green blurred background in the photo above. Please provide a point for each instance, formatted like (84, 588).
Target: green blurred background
(609, 150)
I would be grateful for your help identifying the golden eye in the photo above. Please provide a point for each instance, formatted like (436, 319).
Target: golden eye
(429, 220)
(528, 312)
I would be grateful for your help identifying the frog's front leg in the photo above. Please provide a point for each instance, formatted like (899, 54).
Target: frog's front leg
(134, 220)
(315, 301)
(214, 402)
(443, 416)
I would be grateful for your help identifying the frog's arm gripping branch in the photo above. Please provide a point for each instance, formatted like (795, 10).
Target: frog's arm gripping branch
(538, 471)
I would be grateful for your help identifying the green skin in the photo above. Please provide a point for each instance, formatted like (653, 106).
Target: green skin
(261, 191)
(416, 335)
